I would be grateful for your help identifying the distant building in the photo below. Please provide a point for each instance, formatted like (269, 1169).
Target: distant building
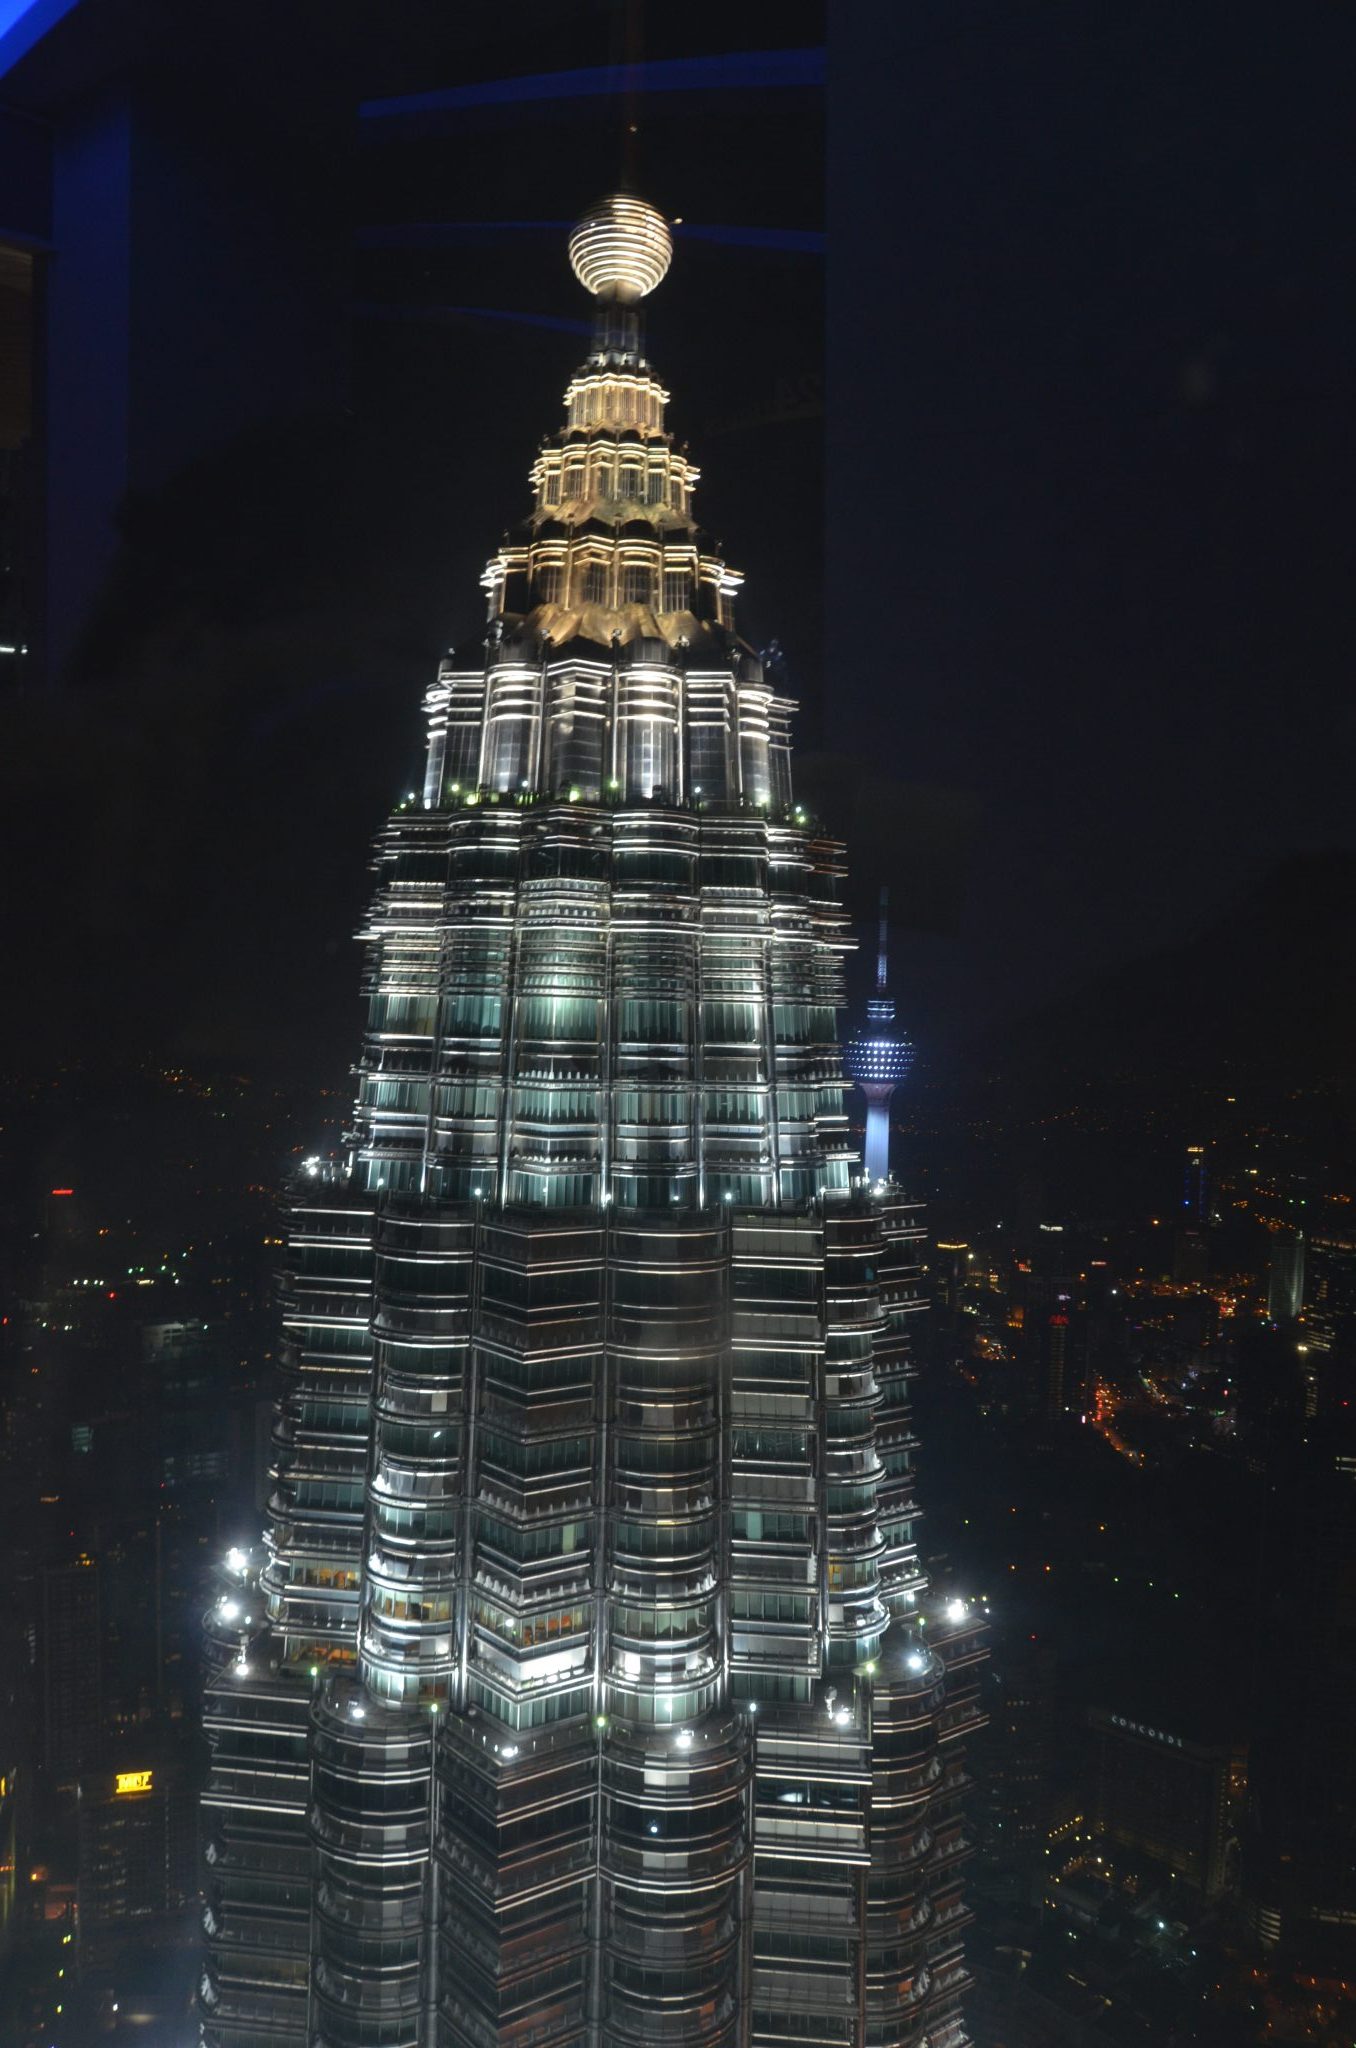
(9, 1856)
(1030, 1210)
(949, 1268)
(69, 1650)
(187, 1362)
(1196, 1189)
(1166, 1797)
(1190, 1242)
(1328, 1317)
(1285, 1277)
(1190, 1257)
(1048, 1325)
(1014, 1763)
(950, 1265)
(138, 1847)
(1299, 1870)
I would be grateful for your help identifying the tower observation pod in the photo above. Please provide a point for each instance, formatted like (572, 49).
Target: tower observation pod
(879, 1057)
(585, 1689)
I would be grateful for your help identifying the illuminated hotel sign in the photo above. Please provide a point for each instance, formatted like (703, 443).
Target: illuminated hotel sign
(1154, 1734)
(133, 1781)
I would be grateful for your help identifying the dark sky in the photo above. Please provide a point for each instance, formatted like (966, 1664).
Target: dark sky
(1103, 260)
(1089, 445)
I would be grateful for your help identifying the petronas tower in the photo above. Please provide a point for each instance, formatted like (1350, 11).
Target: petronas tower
(585, 1690)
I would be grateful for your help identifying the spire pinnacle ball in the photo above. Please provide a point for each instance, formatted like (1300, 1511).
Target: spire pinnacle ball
(621, 248)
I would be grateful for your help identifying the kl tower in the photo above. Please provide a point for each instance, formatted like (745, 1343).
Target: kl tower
(879, 1057)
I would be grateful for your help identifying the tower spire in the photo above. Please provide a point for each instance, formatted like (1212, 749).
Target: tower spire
(883, 942)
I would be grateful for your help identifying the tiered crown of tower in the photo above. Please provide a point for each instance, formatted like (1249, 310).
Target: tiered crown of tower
(610, 550)
(613, 670)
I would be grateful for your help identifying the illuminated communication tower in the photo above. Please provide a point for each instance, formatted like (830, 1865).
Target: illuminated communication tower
(879, 1057)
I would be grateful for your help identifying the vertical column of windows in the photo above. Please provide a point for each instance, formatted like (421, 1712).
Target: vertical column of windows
(666, 1330)
(320, 1433)
(539, 1332)
(555, 1141)
(777, 1346)
(516, 1877)
(403, 980)
(674, 1883)
(431, 1065)
(370, 1824)
(813, 1791)
(461, 752)
(829, 930)
(755, 701)
(648, 714)
(780, 713)
(801, 1023)
(652, 1003)
(739, 1160)
(423, 1291)
(852, 1469)
(513, 711)
(901, 1285)
(591, 579)
(577, 725)
(258, 1855)
(676, 595)
(712, 779)
(637, 581)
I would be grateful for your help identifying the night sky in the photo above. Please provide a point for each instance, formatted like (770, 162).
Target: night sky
(1084, 469)
(1110, 324)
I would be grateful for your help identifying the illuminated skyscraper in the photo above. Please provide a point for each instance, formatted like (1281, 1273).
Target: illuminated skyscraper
(879, 1057)
(587, 1690)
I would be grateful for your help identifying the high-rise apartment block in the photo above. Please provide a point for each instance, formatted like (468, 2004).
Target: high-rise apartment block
(586, 1689)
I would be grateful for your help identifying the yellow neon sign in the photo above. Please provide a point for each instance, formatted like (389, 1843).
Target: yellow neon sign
(133, 1781)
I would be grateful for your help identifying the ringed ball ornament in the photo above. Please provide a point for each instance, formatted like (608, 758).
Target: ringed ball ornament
(621, 248)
